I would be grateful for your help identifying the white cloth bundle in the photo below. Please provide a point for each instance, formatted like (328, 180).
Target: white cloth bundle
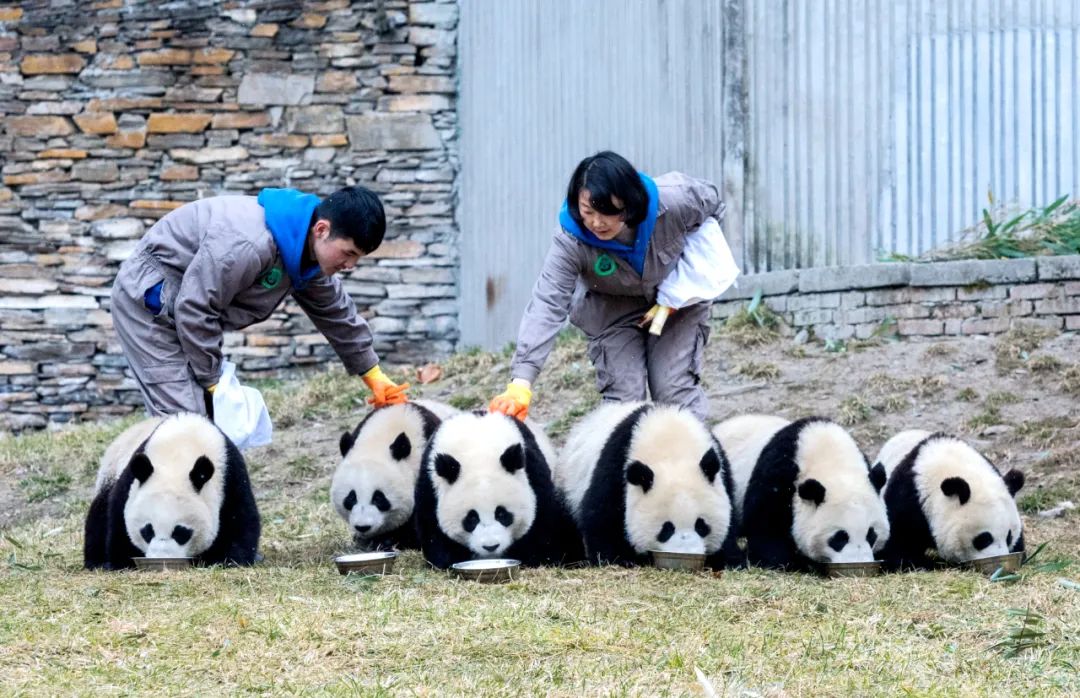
(704, 271)
(240, 412)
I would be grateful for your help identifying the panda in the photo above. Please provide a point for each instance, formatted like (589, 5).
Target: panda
(806, 493)
(372, 488)
(485, 491)
(943, 495)
(171, 487)
(640, 477)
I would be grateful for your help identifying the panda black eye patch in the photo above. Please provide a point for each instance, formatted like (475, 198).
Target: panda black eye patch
(147, 532)
(380, 501)
(350, 500)
(471, 521)
(838, 540)
(401, 448)
(666, 532)
(503, 516)
(703, 529)
(181, 534)
(983, 540)
(871, 536)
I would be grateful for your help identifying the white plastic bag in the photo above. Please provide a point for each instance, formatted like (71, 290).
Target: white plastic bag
(241, 412)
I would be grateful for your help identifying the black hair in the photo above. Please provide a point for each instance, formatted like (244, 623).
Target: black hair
(605, 175)
(355, 213)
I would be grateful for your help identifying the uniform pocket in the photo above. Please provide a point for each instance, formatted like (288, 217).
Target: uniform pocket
(604, 378)
(697, 361)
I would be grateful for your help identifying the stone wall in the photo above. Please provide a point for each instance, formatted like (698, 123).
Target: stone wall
(944, 298)
(115, 112)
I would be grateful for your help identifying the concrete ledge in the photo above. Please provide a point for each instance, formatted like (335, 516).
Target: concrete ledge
(771, 283)
(862, 276)
(973, 271)
(1053, 268)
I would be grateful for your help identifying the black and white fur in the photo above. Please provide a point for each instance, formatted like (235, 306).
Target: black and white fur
(373, 486)
(172, 487)
(944, 495)
(641, 477)
(808, 495)
(485, 491)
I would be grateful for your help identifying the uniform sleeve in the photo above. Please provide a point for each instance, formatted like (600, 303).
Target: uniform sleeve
(213, 278)
(334, 314)
(706, 268)
(694, 201)
(547, 309)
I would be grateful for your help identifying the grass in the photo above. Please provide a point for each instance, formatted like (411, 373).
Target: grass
(1014, 348)
(758, 370)
(753, 325)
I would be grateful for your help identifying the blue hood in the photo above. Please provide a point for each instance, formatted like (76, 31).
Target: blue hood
(288, 216)
(635, 255)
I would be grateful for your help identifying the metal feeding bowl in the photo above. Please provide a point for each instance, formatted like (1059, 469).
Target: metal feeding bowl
(162, 564)
(663, 560)
(495, 571)
(366, 563)
(851, 569)
(989, 565)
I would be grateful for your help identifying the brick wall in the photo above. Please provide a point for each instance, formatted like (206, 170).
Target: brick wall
(944, 298)
(115, 112)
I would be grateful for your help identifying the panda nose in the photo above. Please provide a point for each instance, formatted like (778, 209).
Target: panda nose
(362, 529)
(491, 548)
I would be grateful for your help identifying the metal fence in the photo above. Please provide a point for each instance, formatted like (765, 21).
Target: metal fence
(837, 129)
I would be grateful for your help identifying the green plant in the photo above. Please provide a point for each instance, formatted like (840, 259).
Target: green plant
(1029, 634)
(753, 325)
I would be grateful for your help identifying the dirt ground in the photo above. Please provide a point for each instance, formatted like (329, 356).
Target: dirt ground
(1014, 397)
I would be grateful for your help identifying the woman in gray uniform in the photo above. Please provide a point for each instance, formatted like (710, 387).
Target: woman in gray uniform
(629, 249)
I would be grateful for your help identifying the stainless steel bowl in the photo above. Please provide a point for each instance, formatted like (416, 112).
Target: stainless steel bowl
(366, 563)
(852, 569)
(494, 571)
(163, 564)
(989, 565)
(678, 561)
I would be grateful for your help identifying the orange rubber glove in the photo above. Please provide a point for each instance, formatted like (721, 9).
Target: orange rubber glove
(384, 391)
(514, 401)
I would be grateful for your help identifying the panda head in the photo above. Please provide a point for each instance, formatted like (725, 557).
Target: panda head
(477, 464)
(372, 488)
(970, 508)
(675, 495)
(838, 514)
(172, 509)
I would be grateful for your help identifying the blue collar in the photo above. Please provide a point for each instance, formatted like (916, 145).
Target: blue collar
(288, 216)
(635, 256)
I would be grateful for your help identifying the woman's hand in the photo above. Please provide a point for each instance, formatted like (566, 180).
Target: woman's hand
(384, 391)
(514, 401)
(655, 318)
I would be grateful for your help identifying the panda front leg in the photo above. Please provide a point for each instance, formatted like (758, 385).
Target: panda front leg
(773, 552)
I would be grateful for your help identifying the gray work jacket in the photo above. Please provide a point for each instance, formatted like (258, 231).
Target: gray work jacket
(570, 285)
(223, 271)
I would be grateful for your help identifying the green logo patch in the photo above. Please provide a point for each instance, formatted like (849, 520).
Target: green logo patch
(271, 278)
(605, 265)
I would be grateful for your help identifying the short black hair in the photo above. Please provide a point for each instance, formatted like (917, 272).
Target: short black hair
(605, 175)
(355, 213)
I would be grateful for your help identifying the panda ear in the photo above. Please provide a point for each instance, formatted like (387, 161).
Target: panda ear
(346, 442)
(710, 464)
(447, 467)
(877, 476)
(513, 458)
(956, 487)
(201, 473)
(812, 491)
(141, 467)
(1014, 480)
(637, 473)
(401, 448)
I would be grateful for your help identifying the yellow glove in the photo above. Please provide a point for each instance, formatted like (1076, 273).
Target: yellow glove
(655, 318)
(212, 388)
(384, 391)
(513, 402)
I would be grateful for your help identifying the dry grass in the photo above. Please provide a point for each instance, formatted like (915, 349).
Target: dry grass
(1014, 348)
(752, 326)
(758, 370)
(1070, 380)
(853, 410)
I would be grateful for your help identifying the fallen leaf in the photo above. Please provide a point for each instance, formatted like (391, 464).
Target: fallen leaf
(428, 373)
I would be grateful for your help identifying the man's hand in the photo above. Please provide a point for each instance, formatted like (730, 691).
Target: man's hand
(384, 391)
(514, 401)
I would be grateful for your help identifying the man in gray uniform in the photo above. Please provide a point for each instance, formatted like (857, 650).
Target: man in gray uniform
(626, 245)
(227, 262)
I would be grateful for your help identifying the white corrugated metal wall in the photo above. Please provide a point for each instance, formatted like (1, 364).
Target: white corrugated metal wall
(838, 129)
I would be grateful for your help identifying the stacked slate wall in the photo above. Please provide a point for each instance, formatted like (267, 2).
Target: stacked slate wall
(115, 112)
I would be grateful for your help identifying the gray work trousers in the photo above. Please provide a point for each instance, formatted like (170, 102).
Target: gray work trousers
(153, 352)
(628, 359)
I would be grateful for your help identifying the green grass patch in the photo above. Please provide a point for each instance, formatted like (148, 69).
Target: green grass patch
(753, 325)
(989, 417)
(967, 395)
